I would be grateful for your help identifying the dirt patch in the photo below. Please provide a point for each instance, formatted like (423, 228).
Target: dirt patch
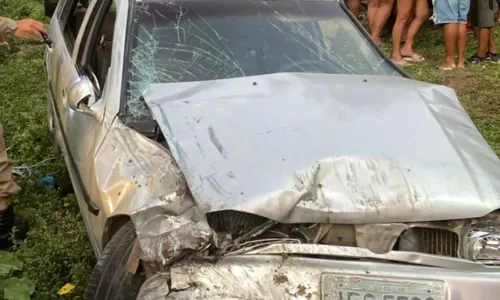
(459, 80)
(478, 94)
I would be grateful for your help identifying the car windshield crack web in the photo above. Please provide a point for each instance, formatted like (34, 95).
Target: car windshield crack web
(213, 58)
(174, 43)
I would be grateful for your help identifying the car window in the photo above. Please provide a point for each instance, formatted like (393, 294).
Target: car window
(96, 58)
(210, 40)
(72, 17)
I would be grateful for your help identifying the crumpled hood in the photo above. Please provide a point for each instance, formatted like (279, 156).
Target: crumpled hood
(300, 148)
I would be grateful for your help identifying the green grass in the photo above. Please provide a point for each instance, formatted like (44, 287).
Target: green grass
(57, 250)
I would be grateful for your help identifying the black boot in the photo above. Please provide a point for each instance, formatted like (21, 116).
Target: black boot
(7, 221)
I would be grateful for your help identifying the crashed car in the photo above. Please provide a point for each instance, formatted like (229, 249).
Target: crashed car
(265, 150)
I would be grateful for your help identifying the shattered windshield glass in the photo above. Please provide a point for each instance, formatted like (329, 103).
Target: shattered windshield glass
(208, 40)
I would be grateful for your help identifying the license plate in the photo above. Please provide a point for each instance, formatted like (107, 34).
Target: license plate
(353, 287)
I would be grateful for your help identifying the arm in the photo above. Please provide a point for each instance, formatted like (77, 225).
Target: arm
(7, 26)
(26, 28)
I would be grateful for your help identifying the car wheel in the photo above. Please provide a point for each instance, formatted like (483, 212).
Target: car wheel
(110, 280)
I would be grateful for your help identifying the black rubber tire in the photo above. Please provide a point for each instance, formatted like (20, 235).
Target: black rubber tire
(109, 280)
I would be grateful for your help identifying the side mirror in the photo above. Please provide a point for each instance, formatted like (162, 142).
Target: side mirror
(81, 98)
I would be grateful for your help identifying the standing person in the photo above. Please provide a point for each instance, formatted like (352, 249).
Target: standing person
(378, 13)
(26, 28)
(483, 18)
(453, 15)
(403, 56)
(355, 7)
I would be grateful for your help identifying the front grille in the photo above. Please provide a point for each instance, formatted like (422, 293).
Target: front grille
(439, 242)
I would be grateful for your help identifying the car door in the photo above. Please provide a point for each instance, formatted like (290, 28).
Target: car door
(71, 30)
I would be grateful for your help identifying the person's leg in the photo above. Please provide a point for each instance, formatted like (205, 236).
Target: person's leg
(461, 43)
(7, 188)
(492, 47)
(462, 12)
(372, 12)
(383, 12)
(405, 31)
(391, 20)
(355, 7)
(404, 10)
(421, 14)
(450, 42)
(445, 13)
(484, 36)
(483, 12)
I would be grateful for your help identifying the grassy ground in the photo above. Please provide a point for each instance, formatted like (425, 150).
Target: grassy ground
(57, 250)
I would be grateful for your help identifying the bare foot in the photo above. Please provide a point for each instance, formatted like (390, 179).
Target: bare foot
(377, 41)
(397, 57)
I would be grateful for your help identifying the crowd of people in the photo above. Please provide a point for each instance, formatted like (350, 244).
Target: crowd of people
(453, 15)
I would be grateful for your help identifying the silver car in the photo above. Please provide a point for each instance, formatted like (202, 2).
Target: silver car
(249, 149)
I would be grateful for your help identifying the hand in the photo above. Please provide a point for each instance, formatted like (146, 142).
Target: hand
(28, 28)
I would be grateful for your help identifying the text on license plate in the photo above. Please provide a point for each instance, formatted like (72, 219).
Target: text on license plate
(353, 287)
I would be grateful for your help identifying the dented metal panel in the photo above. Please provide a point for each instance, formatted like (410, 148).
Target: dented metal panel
(138, 177)
(325, 148)
(292, 277)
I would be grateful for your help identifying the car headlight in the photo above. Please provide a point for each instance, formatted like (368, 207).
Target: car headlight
(481, 243)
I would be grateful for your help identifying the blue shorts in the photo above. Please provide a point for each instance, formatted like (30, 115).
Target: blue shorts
(451, 11)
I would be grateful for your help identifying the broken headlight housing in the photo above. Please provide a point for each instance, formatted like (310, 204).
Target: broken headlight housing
(481, 242)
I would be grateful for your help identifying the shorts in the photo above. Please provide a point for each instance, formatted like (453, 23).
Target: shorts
(483, 13)
(451, 11)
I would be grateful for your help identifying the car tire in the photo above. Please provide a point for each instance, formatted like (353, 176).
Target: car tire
(109, 279)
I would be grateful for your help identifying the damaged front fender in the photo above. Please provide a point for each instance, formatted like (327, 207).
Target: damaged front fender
(139, 178)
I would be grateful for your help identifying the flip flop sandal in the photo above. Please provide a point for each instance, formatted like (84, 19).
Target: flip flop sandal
(439, 68)
(402, 63)
(414, 58)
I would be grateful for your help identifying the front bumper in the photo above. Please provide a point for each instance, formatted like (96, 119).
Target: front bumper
(284, 271)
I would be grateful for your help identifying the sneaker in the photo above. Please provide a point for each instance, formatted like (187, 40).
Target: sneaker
(478, 59)
(494, 57)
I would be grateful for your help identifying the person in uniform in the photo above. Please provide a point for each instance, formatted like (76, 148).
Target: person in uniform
(26, 29)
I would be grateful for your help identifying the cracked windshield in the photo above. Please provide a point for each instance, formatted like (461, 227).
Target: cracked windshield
(199, 41)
